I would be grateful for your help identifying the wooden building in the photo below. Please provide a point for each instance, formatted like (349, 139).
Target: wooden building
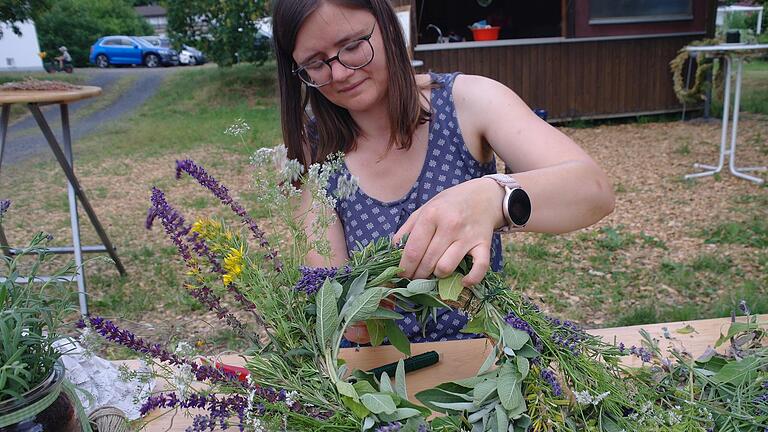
(574, 58)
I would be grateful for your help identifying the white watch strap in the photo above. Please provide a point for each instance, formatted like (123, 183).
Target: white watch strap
(509, 184)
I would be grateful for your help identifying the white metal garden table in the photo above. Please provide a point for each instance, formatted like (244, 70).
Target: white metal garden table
(734, 54)
(34, 99)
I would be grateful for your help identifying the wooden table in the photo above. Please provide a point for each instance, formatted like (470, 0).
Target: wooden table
(462, 359)
(34, 99)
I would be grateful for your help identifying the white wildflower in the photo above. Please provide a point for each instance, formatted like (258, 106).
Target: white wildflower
(346, 186)
(238, 128)
(184, 349)
(599, 398)
(258, 426)
(262, 156)
(291, 170)
(290, 398)
(90, 341)
(182, 381)
(674, 418)
(584, 398)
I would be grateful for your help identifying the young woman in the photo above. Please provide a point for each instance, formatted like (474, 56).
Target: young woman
(422, 148)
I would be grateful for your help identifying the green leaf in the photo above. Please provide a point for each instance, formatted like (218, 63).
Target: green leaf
(362, 307)
(738, 372)
(399, 414)
(368, 423)
(357, 286)
(375, 331)
(510, 393)
(397, 338)
(346, 389)
(327, 314)
(455, 406)
(378, 403)
(489, 361)
(358, 409)
(428, 300)
(363, 387)
(385, 385)
(523, 366)
(476, 325)
(450, 287)
(429, 397)
(514, 338)
(384, 313)
(484, 391)
(400, 384)
(686, 330)
(385, 276)
(733, 330)
(420, 286)
(502, 421)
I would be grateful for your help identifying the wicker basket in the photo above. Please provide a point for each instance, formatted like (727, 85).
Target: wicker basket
(109, 419)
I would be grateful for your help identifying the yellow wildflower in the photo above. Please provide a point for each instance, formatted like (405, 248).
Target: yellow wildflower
(233, 265)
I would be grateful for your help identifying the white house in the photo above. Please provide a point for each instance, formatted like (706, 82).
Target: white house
(20, 53)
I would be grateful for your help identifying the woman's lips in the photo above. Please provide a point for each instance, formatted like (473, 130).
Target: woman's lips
(353, 86)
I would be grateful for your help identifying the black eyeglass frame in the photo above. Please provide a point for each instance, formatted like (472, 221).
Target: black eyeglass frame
(328, 61)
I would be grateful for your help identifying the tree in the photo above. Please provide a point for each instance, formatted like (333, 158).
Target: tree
(226, 30)
(15, 11)
(77, 24)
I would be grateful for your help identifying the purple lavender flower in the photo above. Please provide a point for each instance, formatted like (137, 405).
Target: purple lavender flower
(551, 379)
(521, 324)
(222, 193)
(744, 308)
(642, 353)
(312, 278)
(389, 427)
(113, 333)
(567, 334)
(4, 206)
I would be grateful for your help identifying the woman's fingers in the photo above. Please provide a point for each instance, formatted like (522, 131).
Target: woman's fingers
(438, 246)
(416, 246)
(406, 228)
(450, 260)
(481, 261)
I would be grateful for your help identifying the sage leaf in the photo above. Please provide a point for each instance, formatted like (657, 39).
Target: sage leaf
(523, 366)
(455, 406)
(362, 307)
(384, 313)
(400, 385)
(375, 331)
(429, 397)
(346, 389)
(397, 338)
(378, 403)
(399, 414)
(385, 386)
(484, 391)
(428, 300)
(739, 372)
(489, 361)
(368, 423)
(327, 314)
(450, 287)
(502, 421)
(357, 286)
(510, 393)
(357, 408)
(385, 276)
(421, 286)
(514, 338)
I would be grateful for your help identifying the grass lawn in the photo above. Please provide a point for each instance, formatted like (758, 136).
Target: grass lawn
(672, 250)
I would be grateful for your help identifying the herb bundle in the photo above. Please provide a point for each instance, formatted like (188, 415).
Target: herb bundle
(543, 374)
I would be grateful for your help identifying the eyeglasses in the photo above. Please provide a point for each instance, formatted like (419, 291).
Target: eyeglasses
(354, 55)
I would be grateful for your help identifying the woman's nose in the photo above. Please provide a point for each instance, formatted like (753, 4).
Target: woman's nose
(340, 72)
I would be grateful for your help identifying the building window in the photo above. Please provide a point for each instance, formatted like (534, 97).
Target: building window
(637, 11)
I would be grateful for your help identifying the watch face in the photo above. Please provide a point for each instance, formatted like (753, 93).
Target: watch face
(519, 206)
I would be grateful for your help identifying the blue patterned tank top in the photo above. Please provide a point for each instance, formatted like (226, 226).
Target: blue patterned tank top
(448, 162)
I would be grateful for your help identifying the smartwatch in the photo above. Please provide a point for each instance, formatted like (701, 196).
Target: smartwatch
(516, 205)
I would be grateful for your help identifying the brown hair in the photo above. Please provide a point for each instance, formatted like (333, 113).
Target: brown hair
(334, 129)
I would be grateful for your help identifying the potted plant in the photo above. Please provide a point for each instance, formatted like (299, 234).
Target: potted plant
(34, 395)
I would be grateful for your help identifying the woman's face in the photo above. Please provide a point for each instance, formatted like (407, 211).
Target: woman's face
(323, 33)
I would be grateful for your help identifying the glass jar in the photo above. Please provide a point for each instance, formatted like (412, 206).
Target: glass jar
(57, 415)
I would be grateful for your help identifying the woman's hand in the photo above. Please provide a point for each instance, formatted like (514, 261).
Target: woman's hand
(458, 221)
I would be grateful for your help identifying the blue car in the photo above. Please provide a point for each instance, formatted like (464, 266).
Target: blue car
(130, 50)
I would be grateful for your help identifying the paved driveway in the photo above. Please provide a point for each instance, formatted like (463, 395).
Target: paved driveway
(25, 140)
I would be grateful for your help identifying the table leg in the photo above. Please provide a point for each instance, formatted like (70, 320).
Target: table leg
(739, 172)
(76, 185)
(4, 115)
(712, 170)
(73, 219)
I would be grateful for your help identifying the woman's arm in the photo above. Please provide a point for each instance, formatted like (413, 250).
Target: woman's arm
(568, 190)
(335, 235)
